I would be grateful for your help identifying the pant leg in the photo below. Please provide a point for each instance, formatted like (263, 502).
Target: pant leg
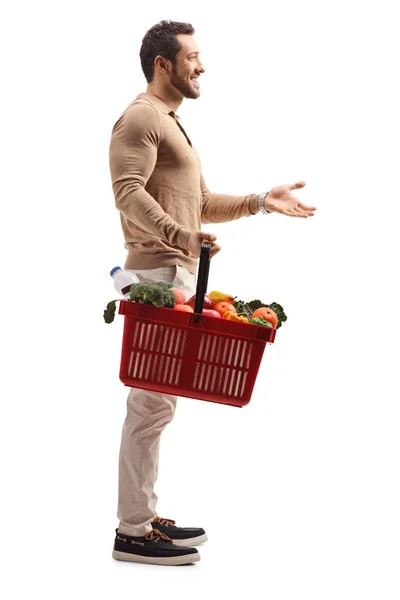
(147, 415)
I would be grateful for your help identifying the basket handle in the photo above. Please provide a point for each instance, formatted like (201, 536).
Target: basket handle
(202, 279)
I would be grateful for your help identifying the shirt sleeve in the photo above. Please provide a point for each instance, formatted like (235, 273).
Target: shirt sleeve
(133, 155)
(220, 208)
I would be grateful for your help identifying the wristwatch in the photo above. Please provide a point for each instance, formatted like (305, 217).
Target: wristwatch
(261, 206)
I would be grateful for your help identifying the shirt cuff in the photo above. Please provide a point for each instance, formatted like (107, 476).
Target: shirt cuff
(183, 238)
(253, 204)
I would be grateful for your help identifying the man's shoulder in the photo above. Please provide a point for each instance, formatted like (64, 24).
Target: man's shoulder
(140, 105)
(139, 111)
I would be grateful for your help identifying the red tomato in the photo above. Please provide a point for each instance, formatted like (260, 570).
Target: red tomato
(267, 314)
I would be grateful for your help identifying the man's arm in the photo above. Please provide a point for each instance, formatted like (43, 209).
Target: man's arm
(220, 208)
(133, 155)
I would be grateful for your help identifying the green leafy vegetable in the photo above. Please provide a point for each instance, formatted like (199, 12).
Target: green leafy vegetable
(109, 313)
(248, 308)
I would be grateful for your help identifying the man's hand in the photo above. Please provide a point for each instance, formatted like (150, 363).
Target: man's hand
(195, 240)
(281, 200)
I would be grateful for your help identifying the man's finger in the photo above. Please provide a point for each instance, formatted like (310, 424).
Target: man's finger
(289, 212)
(204, 235)
(304, 207)
(298, 185)
(214, 249)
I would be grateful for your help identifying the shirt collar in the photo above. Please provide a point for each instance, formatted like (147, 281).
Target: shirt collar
(157, 103)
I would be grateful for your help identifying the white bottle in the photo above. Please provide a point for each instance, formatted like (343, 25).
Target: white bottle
(123, 281)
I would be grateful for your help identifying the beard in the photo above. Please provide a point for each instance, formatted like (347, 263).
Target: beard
(185, 88)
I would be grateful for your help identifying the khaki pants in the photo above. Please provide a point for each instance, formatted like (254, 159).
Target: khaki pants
(147, 415)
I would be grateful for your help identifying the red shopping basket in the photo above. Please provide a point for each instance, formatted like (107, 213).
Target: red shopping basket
(190, 354)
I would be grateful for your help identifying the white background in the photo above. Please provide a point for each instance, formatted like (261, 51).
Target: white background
(298, 491)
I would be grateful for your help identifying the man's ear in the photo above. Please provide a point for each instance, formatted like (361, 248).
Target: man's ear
(162, 64)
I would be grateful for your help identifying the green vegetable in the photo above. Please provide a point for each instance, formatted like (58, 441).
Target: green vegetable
(261, 321)
(248, 308)
(158, 294)
(109, 313)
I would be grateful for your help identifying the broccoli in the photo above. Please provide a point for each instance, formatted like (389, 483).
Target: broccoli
(158, 294)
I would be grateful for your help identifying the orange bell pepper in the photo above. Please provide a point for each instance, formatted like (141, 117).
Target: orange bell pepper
(231, 316)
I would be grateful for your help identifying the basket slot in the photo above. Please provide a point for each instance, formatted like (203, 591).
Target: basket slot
(209, 371)
(237, 354)
(147, 366)
(237, 386)
(201, 346)
(226, 379)
(154, 369)
(243, 353)
(166, 369)
(178, 371)
(230, 350)
(233, 390)
(178, 342)
(160, 330)
(196, 372)
(142, 364)
(203, 366)
(162, 358)
(207, 346)
(214, 371)
(245, 374)
(248, 354)
(147, 332)
(213, 347)
(164, 339)
(171, 349)
(226, 351)
(130, 363)
(171, 371)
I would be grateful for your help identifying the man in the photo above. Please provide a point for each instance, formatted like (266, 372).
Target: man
(163, 199)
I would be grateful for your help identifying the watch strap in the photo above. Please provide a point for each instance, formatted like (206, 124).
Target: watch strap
(261, 206)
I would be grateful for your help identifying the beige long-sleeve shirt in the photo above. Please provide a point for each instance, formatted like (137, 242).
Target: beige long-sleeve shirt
(159, 188)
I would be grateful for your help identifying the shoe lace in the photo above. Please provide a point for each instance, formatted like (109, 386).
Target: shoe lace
(167, 522)
(156, 535)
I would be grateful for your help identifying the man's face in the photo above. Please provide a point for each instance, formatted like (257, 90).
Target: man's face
(188, 68)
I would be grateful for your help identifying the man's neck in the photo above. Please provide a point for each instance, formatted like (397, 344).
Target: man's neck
(169, 98)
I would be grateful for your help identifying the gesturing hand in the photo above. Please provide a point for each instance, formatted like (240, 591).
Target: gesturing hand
(280, 199)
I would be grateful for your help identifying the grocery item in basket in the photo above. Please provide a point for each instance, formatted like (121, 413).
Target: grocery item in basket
(209, 312)
(266, 313)
(249, 308)
(207, 302)
(123, 280)
(229, 315)
(217, 297)
(183, 308)
(155, 293)
(223, 307)
(179, 295)
(261, 322)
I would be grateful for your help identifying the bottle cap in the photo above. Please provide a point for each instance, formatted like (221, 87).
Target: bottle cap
(114, 270)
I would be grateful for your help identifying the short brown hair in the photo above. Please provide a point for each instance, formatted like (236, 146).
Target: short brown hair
(160, 40)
